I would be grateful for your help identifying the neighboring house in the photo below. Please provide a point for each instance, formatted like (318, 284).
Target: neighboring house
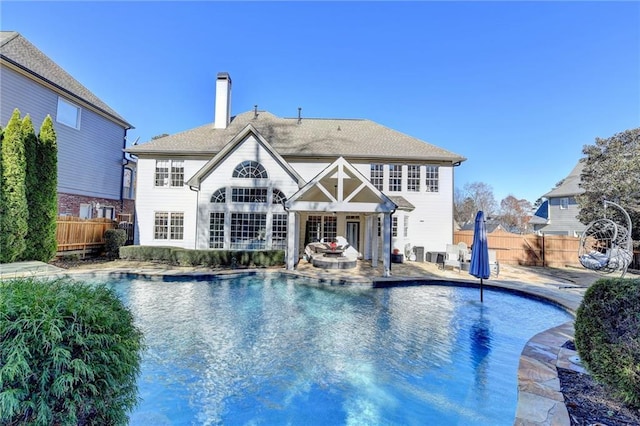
(90, 135)
(491, 226)
(557, 215)
(257, 181)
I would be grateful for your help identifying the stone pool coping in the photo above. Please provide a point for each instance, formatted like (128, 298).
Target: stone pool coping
(540, 401)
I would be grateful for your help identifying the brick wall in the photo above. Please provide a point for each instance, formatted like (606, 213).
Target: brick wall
(69, 204)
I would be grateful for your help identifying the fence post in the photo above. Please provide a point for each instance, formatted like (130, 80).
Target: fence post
(544, 252)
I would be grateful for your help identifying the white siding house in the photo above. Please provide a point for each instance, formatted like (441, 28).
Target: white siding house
(90, 135)
(258, 181)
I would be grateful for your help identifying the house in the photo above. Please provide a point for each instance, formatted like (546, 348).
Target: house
(557, 215)
(92, 167)
(258, 181)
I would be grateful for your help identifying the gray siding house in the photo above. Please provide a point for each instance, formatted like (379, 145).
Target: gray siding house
(557, 215)
(93, 172)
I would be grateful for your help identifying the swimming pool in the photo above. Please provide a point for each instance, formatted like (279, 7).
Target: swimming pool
(281, 350)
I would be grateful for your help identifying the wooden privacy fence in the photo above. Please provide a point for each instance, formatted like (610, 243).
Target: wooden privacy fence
(528, 249)
(75, 234)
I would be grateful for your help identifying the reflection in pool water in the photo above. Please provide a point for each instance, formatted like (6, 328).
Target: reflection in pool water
(280, 350)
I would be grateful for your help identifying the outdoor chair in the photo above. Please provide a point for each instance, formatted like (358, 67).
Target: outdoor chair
(452, 257)
(465, 253)
(494, 266)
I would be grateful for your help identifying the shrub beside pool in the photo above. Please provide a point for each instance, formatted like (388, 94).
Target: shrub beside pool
(69, 354)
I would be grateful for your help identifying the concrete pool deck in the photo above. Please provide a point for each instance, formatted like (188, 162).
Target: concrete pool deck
(540, 401)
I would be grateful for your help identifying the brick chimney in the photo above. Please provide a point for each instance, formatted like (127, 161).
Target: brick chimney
(223, 101)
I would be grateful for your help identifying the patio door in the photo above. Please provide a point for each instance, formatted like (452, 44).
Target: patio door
(353, 234)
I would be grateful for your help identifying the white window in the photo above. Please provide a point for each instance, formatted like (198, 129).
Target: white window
(564, 203)
(68, 114)
(250, 170)
(168, 225)
(394, 226)
(413, 178)
(377, 176)
(279, 231)
(248, 231)
(216, 230)
(86, 211)
(169, 173)
(395, 177)
(106, 212)
(432, 178)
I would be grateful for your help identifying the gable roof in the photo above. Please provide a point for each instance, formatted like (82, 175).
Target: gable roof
(541, 215)
(340, 187)
(570, 185)
(19, 52)
(308, 137)
(237, 140)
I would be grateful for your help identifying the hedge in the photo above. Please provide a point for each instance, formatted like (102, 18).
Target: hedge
(209, 258)
(69, 354)
(607, 336)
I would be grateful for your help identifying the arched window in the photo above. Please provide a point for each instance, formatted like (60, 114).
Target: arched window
(220, 196)
(250, 170)
(278, 197)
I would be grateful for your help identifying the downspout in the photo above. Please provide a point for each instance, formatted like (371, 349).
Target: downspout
(124, 162)
(195, 237)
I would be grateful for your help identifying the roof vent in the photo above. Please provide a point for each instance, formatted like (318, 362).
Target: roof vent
(255, 112)
(299, 115)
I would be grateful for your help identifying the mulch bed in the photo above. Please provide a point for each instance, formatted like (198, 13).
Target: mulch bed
(590, 403)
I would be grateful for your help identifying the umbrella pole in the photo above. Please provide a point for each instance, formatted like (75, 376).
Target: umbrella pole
(481, 290)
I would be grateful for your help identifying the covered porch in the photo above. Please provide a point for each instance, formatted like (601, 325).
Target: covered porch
(340, 201)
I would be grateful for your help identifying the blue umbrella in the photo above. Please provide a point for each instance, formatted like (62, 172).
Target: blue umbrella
(479, 266)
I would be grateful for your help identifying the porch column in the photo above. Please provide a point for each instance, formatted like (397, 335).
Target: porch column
(374, 241)
(386, 244)
(292, 253)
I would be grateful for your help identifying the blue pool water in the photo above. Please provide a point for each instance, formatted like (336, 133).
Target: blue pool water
(283, 351)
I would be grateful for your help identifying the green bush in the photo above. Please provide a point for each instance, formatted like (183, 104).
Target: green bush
(69, 354)
(209, 258)
(607, 335)
(114, 239)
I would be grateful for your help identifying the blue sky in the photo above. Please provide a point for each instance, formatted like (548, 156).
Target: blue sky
(516, 87)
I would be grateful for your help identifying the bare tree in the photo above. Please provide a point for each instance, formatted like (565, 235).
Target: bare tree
(514, 214)
(473, 197)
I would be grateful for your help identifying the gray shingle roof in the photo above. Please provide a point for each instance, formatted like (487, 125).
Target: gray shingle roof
(570, 186)
(312, 137)
(17, 50)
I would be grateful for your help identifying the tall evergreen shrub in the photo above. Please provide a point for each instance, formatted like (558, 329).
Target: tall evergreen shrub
(69, 354)
(13, 222)
(45, 206)
(31, 186)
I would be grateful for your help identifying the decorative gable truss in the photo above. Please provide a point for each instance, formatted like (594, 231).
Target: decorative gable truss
(340, 187)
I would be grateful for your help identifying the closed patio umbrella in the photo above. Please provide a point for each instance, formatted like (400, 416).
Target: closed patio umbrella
(479, 266)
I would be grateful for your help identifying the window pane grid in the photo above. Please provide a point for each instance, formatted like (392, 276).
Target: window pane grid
(377, 176)
(177, 226)
(413, 178)
(177, 173)
(329, 232)
(432, 178)
(314, 228)
(161, 224)
(162, 173)
(279, 231)
(249, 195)
(250, 170)
(220, 196)
(216, 230)
(395, 178)
(394, 226)
(278, 197)
(248, 231)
